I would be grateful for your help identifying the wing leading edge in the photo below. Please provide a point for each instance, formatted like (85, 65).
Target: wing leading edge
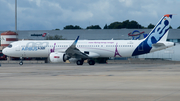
(74, 52)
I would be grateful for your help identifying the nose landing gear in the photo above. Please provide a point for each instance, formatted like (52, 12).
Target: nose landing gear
(21, 61)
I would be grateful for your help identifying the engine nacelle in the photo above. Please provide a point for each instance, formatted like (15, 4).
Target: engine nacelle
(57, 57)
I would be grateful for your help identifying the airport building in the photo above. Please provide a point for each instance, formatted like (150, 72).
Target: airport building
(99, 34)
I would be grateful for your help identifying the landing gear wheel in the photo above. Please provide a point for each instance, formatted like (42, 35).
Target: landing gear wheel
(21, 63)
(91, 62)
(79, 62)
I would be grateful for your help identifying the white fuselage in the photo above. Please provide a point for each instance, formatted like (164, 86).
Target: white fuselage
(62, 50)
(104, 48)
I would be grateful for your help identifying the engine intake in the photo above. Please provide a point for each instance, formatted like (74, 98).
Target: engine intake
(58, 57)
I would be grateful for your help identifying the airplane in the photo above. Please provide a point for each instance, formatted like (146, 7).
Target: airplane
(80, 50)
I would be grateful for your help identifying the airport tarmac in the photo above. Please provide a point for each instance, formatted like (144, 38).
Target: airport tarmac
(102, 82)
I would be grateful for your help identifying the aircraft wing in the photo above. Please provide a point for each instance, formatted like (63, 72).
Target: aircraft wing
(74, 52)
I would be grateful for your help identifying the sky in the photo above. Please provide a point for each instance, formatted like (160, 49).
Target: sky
(52, 14)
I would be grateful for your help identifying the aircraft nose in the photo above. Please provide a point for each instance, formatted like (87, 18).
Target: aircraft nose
(4, 51)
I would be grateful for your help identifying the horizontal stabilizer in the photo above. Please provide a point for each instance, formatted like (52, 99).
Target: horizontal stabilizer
(158, 44)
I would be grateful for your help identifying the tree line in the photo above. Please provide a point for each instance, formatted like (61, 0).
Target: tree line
(115, 25)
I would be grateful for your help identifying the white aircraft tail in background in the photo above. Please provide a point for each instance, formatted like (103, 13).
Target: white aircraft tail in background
(80, 50)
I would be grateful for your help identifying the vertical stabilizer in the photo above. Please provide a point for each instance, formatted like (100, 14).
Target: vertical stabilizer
(158, 33)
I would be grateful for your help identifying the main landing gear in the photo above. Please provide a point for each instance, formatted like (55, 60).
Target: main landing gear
(91, 62)
(80, 62)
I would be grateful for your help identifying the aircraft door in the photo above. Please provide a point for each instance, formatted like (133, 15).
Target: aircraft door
(18, 47)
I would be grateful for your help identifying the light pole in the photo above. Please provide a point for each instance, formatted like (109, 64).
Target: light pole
(15, 15)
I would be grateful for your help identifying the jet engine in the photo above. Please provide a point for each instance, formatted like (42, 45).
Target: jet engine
(57, 57)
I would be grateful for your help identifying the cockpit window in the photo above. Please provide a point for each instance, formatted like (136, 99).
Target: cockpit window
(9, 46)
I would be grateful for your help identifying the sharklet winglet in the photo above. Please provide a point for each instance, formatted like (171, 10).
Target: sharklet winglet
(75, 42)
